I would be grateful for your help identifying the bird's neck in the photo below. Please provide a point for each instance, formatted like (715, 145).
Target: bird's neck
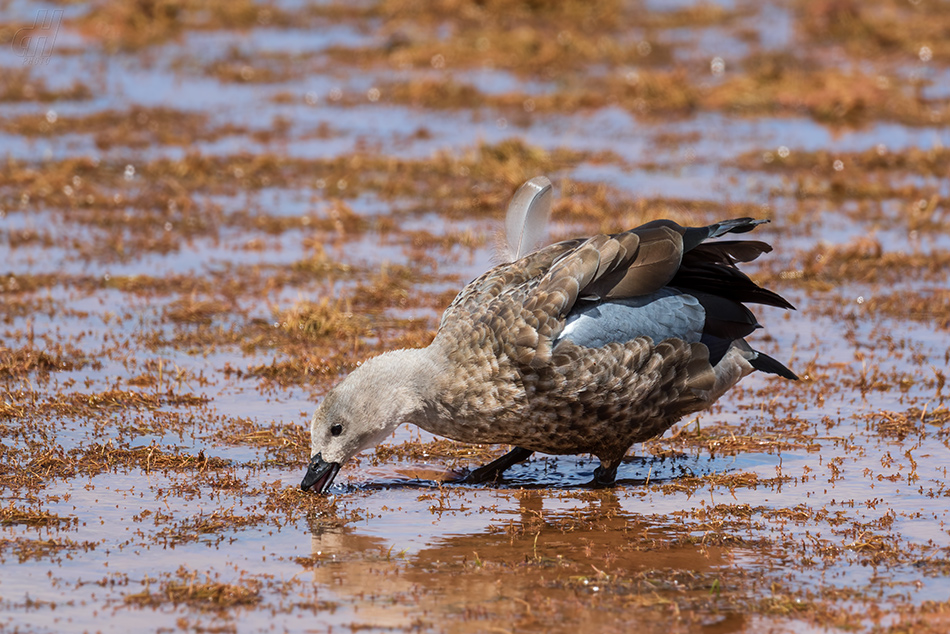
(414, 380)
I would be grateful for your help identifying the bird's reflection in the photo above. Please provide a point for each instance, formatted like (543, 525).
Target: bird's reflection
(547, 548)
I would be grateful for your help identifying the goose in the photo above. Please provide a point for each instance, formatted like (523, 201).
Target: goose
(586, 346)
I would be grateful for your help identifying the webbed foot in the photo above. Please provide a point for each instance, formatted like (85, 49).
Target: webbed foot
(605, 475)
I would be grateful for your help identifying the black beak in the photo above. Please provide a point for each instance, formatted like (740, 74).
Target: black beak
(320, 474)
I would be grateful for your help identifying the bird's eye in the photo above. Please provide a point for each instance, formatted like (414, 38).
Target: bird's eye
(336, 430)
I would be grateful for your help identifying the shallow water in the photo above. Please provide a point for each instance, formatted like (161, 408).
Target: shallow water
(167, 330)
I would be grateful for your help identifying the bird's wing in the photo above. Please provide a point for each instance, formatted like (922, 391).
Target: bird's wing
(502, 279)
(665, 314)
(636, 262)
(640, 263)
(524, 305)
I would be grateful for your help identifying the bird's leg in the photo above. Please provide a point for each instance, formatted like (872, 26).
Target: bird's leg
(605, 474)
(495, 468)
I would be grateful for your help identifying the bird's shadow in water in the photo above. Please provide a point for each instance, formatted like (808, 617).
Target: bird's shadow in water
(574, 472)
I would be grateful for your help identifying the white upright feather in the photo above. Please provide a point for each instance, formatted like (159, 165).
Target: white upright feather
(526, 223)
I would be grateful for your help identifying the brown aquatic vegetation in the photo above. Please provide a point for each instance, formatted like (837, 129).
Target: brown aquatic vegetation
(29, 360)
(889, 27)
(311, 332)
(27, 549)
(864, 259)
(643, 92)
(318, 264)
(192, 310)
(171, 182)
(19, 85)
(284, 444)
(205, 594)
(933, 161)
(211, 526)
(261, 69)
(323, 319)
(718, 440)
(100, 458)
(874, 174)
(12, 514)
(930, 306)
(912, 422)
(145, 385)
(335, 343)
(435, 93)
(133, 25)
(771, 82)
(827, 95)
(830, 95)
(135, 128)
(551, 39)
(75, 402)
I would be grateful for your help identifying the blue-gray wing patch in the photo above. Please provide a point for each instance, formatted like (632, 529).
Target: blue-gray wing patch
(664, 314)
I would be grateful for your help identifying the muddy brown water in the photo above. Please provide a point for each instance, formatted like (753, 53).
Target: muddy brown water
(210, 214)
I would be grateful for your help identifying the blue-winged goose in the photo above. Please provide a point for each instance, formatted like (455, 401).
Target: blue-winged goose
(584, 346)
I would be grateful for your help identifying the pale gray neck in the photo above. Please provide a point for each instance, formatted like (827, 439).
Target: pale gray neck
(404, 386)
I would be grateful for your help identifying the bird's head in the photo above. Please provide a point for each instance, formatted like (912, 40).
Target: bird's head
(358, 413)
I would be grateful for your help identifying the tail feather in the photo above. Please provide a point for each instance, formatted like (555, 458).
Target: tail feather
(526, 223)
(764, 363)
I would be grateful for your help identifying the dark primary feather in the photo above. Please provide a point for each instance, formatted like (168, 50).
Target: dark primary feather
(726, 281)
(730, 251)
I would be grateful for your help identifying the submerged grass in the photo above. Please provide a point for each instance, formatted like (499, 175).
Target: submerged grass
(130, 26)
(203, 594)
(890, 27)
(166, 185)
(18, 85)
(168, 327)
(137, 127)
